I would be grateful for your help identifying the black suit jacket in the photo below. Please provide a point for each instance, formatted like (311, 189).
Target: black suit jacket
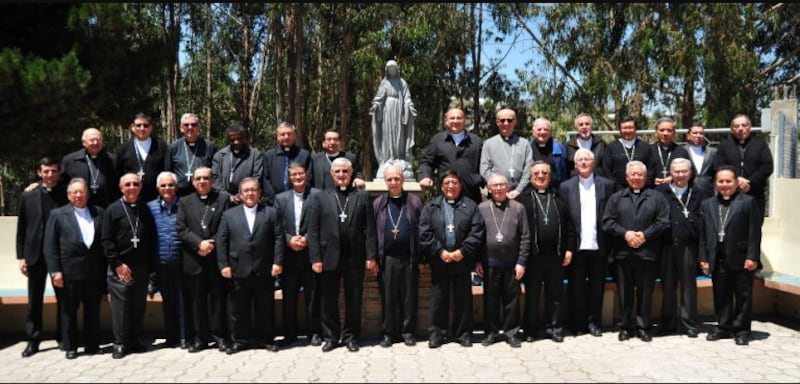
(32, 218)
(128, 161)
(615, 159)
(274, 164)
(675, 151)
(249, 253)
(704, 177)
(469, 232)
(442, 155)
(742, 231)
(755, 165)
(683, 230)
(321, 169)
(649, 215)
(324, 244)
(569, 191)
(64, 248)
(75, 165)
(284, 206)
(190, 229)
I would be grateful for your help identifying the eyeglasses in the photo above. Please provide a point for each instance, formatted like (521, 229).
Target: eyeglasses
(142, 125)
(540, 173)
(505, 120)
(190, 125)
(132, 184)
(498, 185)
(202, 177)
(168, 185)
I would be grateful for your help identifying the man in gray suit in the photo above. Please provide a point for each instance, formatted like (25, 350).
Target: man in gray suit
(234, 162)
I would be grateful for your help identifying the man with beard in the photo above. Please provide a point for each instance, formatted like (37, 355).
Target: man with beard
(234, 162)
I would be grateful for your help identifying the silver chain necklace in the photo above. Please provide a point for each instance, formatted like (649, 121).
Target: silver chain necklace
(684, 205)
(395, 230)
(499, 236)
(135, 228)
(545, 211)
(342, 214)
(722, 222)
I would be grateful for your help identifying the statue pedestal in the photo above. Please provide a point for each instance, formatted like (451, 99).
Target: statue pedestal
(377, 187)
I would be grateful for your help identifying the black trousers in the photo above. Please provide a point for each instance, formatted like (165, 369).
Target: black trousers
(678, 269)
(545, 269)
(128, 305)
(635, 277)
(501, 293)
(170, 286)
(330, 282)
(37, 279)
(297, 275)
(253, 295)
(399, 292)
(72, 296)
(450, 278)
(587, 280)
(207, 295)
(733, 298)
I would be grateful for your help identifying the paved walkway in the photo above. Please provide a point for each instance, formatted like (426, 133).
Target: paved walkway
(773, 356)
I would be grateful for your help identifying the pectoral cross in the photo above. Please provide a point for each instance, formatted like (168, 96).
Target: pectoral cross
(663, 173)
(342, 216)
(511, 173)
(140, 174)
(721, 235)
(499, 237)
(135, 241)
(450, 228)
(94, 188)
(395, 231)
(188, 175)
(686, 213)
(545, 220)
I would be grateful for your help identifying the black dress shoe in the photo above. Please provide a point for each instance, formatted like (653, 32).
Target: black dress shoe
(514, 342)
(490, 339)
(435, 342)
(717, 334)
(30, 349)
(386, 341)
(316, 340)
(692, 332)
(119, 352)
(72, 355)
(624, 335)
(234, 348)
(222, 344)
(465, 342)
(352, 346)
(557, 336)
(272, 347)
(197, 346)
(185, 344)
(742, 340)
(595, 330)
(644, 335)
(328, 346)
(409, 340)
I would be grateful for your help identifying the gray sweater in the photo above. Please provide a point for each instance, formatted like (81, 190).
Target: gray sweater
(515, 244)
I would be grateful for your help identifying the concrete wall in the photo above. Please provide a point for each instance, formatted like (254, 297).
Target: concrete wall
(781, 231)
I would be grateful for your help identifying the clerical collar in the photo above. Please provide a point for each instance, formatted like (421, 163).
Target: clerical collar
(203, 197)
(133, 204)
(451, 202)
(500, 204)
(191, 144)
(627, 143)
(342, 189)
(400, 196)
(511, 136)
(236, 152)
(93, 157)
(287, 149)
(636, 191)
(541, 191)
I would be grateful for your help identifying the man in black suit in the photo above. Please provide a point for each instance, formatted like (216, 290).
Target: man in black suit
(199, 215)
(144, 155)
(321, 163)
(454, 150)
(188, 153)
(293, 207)
(679, 256)
(591, 249)
(34, 209)
(129, 243)
(75, 262)
(702, 156)
(664, 150)
(751, 157)
(250, 252)
(94, 164)
(342, 239)
(635, 218)
(451, 232)
(628, 147)
(276, 161)
(730, 251)
(586, 139)
(234, 162)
